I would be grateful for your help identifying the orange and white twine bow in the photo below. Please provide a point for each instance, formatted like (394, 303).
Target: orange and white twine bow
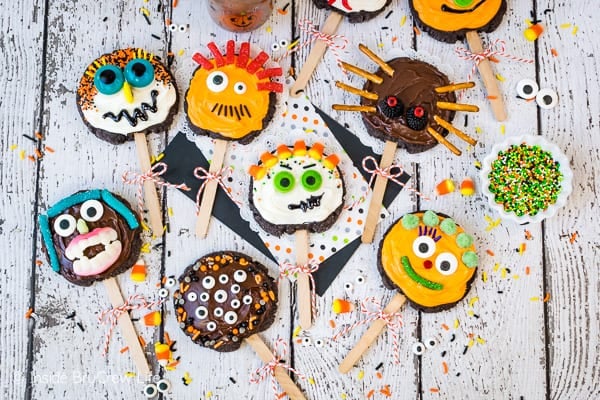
(153, 174)
(111, 315)
(279, 353)
(496, 48)
(207, 176)
(286, 269)
(393, 321)
(331, 40)
(391, 173)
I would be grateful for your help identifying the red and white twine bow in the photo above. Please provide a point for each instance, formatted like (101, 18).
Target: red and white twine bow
(496, 48)
(286, 269)
(279, 353)
(153, 174)
(111, 315)
(331, 40)
(207, 176)
(391, 173)
(393, 321)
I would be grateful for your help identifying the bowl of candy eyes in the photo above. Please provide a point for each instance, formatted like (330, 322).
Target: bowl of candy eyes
(526, 179)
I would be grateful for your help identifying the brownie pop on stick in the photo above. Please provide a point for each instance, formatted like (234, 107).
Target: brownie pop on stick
(296, 191)
(123, 96)
(231, 98)
(406, 103)
(226, 298)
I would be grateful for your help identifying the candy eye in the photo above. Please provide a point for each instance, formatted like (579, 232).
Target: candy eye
(430, 343)
(311, 180)
(360, 279)
(348, 286)
(109, 79)
(163, 293)
(217, 81)
(204, 297)
(183, 28)
(208, 282)
(230, 317)
(239, 88)
(463, 3)
(424, 247)
(418, 348)
(235, 288)
(527, 89)
(275, 46)
(446, 263)
(192, 296)
(65, 225)
(221, 296)
(211, 326)
(173, 27)
(240, 276)
(91, 210)
(139, 72)
(223, 279)
(247, 299)
(235, 304)
(218, 311)
(319, 343)
(170, 282)
(283, 43)
(163, 385)
(150, 390)
(201, 312)
(546, 99)
(284, 181)
(306, 341)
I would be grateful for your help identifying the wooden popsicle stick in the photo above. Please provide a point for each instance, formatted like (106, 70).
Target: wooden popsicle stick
(488, 77)
(303, 294)
(378, 191)
(265, 354)
(150, 195)
(210, 190)
(127, 328)
(370, 335)
(316, 54)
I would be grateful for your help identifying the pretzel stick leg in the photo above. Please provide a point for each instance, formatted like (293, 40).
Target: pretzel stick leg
(303, 294)
(370, 335)
(150, 194)
(210, 191)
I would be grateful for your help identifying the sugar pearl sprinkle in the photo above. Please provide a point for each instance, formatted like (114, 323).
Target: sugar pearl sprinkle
(525, 179)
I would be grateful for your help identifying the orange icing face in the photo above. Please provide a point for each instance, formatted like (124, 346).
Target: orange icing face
(429, 258)
(230, 95)
(456, 15)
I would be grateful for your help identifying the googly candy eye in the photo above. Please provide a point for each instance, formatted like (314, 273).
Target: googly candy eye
(139, 73)
(446, 263)
(109, 79)
(163, 293)
(360, 279)
(319, 343)
(348, 286)
(208, 282)
(164, 385)
(418, 348)
(424, 246)
(65, 225)
(283, 43)
(223, 278)
(91, 210)
(527, 89)
(173, 27)
(170, 282)
(183, 28)
(192, 296)
(275, 46)
(430, 342)
(217, 81)
(150, 391)
(546, 99)
(306, 341)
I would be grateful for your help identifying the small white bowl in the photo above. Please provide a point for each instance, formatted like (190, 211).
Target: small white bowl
(557, 155)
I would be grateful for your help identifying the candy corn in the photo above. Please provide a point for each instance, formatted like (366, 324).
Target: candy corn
(340, 306)
(533, 32)
(152, 319)
(444, 187)
(138, 272)
(467, 187)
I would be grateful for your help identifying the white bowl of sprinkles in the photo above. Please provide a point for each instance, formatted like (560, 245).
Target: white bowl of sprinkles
(526, 179)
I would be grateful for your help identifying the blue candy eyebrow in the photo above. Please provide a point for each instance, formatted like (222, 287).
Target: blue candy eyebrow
(70, 201)
(121, 208)
(47, 238)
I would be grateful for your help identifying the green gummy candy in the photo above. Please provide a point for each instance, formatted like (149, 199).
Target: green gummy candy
(448, 226)
(470, 259)
(410, 221)
(464, 240)
(430, 218)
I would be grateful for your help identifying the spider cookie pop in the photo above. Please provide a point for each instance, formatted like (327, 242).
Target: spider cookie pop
(231, 98)
(94, 236)
(430, 260)
(452, 20)
(123, 96)
(297, 190)
(406, 103)
(225, 298)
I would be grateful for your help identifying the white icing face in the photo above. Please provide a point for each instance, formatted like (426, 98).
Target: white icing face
(358, 5)
(298, 190)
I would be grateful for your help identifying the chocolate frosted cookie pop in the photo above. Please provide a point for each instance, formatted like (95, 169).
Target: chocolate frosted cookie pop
(355, 10)
(223, 298)
(125, 92)
(90, 236)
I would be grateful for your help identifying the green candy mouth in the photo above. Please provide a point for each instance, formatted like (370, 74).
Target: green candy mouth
(418, 278)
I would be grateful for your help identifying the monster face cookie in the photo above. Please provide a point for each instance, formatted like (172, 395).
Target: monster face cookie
(90, 235)
(355, 10)
(296, 188)
(231, 96)
(429, 258)
(223, 298)
(449, 20)
(126, 92)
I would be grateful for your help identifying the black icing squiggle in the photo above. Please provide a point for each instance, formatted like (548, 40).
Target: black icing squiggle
(138, 114)
(309, 204)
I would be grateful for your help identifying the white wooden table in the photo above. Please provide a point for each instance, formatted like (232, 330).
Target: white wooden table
(533, 349)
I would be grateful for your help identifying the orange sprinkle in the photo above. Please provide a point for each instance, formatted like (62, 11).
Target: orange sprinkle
(282, 11)
(124, 349)
(49, 149)
(31, 158)
(168, 21)
(38, 153)
(277, 247)
(527, 270)
(332, 323)
(38, 262)
(38, 135)
(168, 339)
(394, 39)
(370, 394)
(493, 59)
(492, 97)
(470, 335)
(379, 375)
(142, 341)
(445, 327)
(28, 313)
(321, 258)
(434, 390)
(445, 367)
(386, 391)
(288, 250)
(554, 52)
(175, 2)
(528, 235)
(573, 238)
(491, 253)
(547, 297)
(417, 31)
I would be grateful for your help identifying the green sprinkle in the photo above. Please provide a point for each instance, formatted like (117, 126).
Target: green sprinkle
(470, 259)
(464, 240)
(418, 278)
(448, 226)
(410, 221)
(430, 218)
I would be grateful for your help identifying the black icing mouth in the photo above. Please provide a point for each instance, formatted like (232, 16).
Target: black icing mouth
(445, 8)
(309, 204)
(230, 111)
(140, 113)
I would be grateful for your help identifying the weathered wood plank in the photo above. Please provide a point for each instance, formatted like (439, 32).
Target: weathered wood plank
(21, 44)
(573, 327)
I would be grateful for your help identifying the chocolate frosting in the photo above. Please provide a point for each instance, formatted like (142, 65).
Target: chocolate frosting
(413, 84)
(223, 298)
